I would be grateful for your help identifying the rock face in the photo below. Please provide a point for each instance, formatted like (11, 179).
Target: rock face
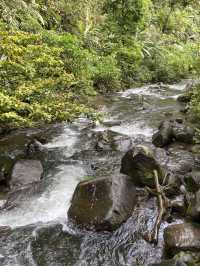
(26, 172)
(180, 237)
(139, 163)
(104, 203)
(170, 131)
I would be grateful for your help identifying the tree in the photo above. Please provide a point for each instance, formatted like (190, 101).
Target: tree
(127, 14)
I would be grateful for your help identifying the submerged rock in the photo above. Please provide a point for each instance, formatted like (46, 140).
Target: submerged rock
(26, 172)
(139, 163)
(103, 203)
(184, 236)
(53, 246)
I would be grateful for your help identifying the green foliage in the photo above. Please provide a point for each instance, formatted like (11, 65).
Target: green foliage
(35, 82)
(127, 14)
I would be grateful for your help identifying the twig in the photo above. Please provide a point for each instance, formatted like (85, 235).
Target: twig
(161, 209)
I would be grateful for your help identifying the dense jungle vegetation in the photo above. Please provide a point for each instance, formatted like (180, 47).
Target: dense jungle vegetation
(55, 55)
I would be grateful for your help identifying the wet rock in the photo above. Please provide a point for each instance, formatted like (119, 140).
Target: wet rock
(103, 203)
(184, 236)
(178, 204)
(4, 230)
(139, 163)
(184, 98)
(26, 172)
(164, 135)
(195, 148)
(192, 181)
(53, 246)
(183, 258)
(6, 164)
(109, 140)
(183, 133)
(180, 161)
(171, 262)
(112, 123)
(194, 207)
(170, 131)
(33, 147)
(21, 196)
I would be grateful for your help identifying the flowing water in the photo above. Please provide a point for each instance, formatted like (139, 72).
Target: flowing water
(41, 234)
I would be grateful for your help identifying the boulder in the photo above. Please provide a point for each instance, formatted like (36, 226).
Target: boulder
(183, 133)
(139, 163)
(184, 236)
(170, 131)
(26, 172)
(164, 135)
(110, 140)
(103, 203)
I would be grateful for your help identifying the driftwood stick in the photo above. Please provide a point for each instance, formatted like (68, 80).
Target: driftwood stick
(161, 209)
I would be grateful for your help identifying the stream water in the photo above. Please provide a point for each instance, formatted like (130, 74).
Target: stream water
(40, 234)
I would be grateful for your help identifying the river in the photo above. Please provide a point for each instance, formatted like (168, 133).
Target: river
(41, 234)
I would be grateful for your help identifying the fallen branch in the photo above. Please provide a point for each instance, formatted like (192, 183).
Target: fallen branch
(153, 237)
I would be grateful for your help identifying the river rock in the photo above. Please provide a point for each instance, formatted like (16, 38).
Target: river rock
(183, 258)
(6, 164)
(164, 135)
(139, 163)
(26, 172)
(103, 203)
(21, 195)
(178, 204)
(192, 180)
(194, 207)
(54, 246)
(183, 133)
(184, 236)
(110, 140)
(171, 262)
(170, 131)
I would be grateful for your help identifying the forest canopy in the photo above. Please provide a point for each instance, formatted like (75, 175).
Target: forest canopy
(56, 55)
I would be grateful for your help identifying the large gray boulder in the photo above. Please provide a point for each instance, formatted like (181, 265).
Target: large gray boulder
(26, 172)
(103, 203)
(184, 236)
(139, 163)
